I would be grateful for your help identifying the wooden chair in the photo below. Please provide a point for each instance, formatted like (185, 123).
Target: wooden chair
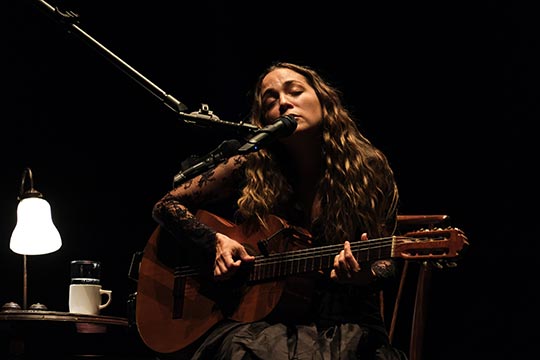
(423, 271)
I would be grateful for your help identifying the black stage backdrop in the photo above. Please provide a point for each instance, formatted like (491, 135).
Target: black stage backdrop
(444, 89)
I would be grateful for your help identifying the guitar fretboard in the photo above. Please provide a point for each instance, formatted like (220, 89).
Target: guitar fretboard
(314, 259)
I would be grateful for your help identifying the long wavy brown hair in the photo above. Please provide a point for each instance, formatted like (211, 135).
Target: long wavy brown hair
(358, 190)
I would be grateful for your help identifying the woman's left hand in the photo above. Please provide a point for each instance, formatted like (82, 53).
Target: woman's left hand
(346, 268)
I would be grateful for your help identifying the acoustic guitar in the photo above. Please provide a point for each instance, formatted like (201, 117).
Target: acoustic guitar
(176, 304)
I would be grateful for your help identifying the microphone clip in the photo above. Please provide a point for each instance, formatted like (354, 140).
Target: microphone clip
(206, 118)
(206, 113)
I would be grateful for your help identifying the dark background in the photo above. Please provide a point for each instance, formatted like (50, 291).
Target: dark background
(444, 89)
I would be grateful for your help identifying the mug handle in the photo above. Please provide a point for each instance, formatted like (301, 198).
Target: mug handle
(107, 293)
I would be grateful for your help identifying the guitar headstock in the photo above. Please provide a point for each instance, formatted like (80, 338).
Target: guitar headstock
(430, 244)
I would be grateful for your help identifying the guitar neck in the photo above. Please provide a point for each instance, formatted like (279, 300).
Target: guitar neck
(309, 260)
(434, 244)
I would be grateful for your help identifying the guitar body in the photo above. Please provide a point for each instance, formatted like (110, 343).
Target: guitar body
(174, 311)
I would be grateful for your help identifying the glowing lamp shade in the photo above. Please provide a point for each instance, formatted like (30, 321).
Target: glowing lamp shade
(35, 233)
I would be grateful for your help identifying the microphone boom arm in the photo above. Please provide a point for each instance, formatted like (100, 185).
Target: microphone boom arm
(203, 118)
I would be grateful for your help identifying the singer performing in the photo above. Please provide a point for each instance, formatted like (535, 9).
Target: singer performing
(324, 186)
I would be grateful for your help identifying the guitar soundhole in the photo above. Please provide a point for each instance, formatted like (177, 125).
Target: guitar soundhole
(226, 294)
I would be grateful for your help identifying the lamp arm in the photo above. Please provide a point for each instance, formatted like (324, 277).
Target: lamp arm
(30, 192)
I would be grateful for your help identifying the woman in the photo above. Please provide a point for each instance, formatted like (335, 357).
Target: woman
(325, 178)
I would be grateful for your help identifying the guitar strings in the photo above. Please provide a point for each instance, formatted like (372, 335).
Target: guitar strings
(313, 259)
(264, 264)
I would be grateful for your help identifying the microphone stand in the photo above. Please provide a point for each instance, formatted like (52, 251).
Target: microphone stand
(204, 117)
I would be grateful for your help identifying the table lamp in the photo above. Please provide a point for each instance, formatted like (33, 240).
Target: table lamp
(35, 232)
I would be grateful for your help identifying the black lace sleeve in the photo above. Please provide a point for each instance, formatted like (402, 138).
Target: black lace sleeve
(176, 210)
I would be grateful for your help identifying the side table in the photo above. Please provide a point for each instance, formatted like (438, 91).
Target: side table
(28, 334)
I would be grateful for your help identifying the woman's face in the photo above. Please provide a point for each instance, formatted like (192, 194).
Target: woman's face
(285, 92)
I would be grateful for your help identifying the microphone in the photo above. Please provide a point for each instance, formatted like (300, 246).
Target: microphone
(282, 127)
(226, 149)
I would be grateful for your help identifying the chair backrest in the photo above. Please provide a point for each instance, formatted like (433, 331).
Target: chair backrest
(412, 289)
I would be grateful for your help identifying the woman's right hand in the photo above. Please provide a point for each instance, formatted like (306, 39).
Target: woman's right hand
(229, 256)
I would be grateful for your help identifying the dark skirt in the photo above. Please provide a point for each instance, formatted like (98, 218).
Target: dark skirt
(264, 341)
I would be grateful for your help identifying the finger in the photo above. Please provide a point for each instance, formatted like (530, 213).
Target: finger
(345, 258)
(220, 268)
(246, 257)
(341, 266)
(217, 272)
(333, 275)
(235, 264)
(336, 262)
(352, 263)
(228, 260)
(340, 263)
(347, 251)
(336, 271)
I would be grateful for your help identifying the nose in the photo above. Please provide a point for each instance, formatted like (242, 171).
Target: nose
(284, 104)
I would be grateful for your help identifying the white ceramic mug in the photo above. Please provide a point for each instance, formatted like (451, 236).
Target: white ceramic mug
(88, 298)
